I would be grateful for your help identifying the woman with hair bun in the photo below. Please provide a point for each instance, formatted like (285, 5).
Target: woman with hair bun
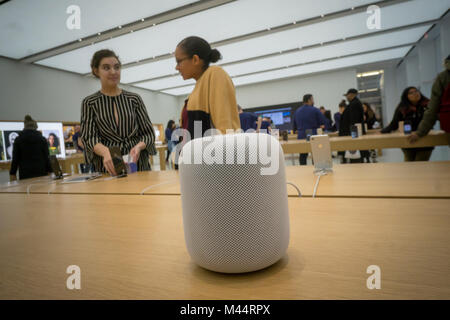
(213, 100)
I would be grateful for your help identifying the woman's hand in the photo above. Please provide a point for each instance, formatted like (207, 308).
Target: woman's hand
(103, 152)
(108, 163)
(136, 151)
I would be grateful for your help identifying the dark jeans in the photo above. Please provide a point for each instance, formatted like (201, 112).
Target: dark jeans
(365, 155)
(303, 158)
(341, 155)
(417, 154)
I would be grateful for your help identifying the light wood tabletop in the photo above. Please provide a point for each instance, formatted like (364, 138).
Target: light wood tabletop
(388, 180)
(136, 183)
(371, 141)
(132, 247)
(420, 179)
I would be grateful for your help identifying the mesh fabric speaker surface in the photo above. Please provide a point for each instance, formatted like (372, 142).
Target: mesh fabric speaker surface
(235, 219)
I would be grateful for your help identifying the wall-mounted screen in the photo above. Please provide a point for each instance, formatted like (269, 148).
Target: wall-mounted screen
(51, 131)
(278, 116)
(281, 114)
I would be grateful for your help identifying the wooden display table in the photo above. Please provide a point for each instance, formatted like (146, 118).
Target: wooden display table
(368, 180)
(372, 141)
(132, 247)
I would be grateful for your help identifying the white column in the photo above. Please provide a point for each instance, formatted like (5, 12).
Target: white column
(445, 39)
(427, 65)
(390, 94)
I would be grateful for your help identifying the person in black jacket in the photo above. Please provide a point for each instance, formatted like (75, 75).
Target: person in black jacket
(353, 113)
(30, 153)
(411, 108)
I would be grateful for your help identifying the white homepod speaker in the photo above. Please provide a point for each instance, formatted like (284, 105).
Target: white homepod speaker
(234, 199)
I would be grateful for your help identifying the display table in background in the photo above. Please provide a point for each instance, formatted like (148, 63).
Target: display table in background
(371, 141)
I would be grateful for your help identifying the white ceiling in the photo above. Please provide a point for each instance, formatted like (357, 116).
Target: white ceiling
(308, 69)
(19, 18)
(343, 48)
(31, 26)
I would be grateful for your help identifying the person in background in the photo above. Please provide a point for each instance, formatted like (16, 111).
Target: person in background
(77, 143)
(369, 115)
(411, 108)
(307, 117)
(182, 139)
(328, 121)
(213, 100)
(171, 126)
(30, 153)
(337, 120)
(113, 117)
(272, 125)
(369, 120)
(439, 105)
(322, 110)
(337, 115)
(249, 120)
(353, 113)
(266, 125)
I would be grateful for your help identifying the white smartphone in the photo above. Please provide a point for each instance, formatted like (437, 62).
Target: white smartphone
(321, 152)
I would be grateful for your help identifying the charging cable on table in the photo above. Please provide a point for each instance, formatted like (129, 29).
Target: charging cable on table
(296, 188)
(319, 173)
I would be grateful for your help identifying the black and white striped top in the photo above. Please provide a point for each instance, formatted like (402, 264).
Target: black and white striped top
(98, 125)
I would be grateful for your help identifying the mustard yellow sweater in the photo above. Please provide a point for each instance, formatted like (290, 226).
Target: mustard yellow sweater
(213, 102)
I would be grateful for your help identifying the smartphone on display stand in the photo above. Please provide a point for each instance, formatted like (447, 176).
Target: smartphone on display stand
(321, 153)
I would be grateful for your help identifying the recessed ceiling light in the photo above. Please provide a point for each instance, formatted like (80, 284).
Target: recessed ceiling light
(142, 19)
(80, 40)
(120, 27)
(99, 33)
